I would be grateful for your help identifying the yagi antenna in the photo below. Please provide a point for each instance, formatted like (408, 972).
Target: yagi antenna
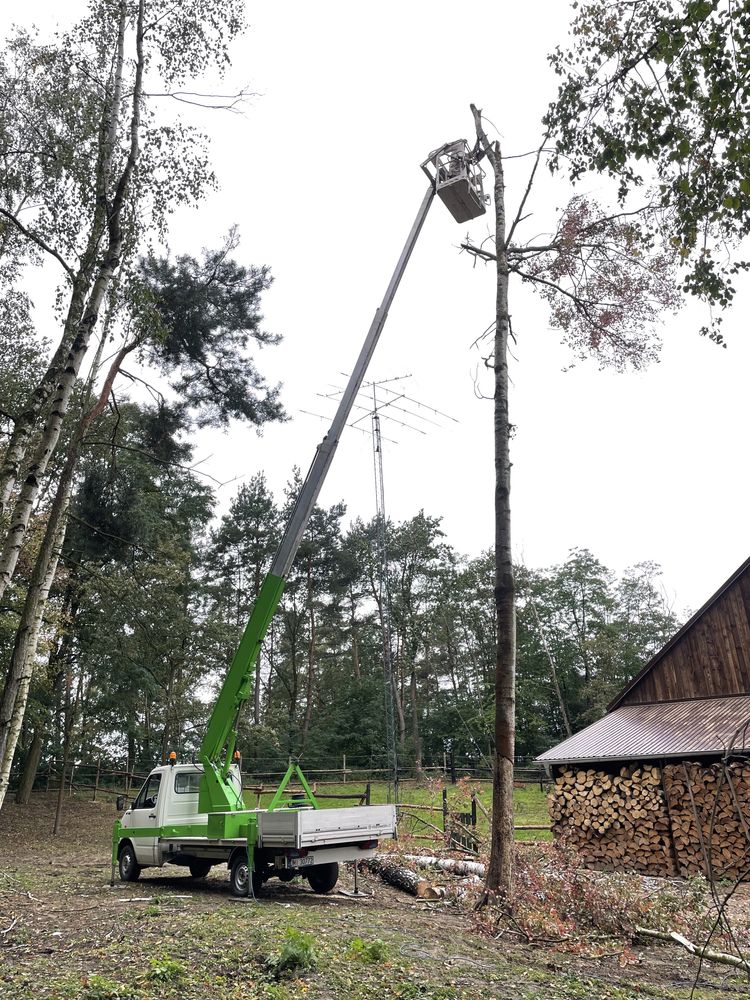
(362, 430)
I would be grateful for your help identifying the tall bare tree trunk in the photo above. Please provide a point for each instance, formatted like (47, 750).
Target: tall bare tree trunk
(500, 868)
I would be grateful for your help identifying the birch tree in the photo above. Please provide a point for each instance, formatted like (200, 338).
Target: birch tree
(88, 171)
(115, 175)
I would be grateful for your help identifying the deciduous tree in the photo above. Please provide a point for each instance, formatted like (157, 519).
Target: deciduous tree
(654, 93)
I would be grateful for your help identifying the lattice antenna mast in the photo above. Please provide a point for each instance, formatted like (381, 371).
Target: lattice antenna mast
(384, 596)
(414, 411)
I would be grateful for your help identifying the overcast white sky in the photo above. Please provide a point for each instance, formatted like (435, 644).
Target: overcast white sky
(322, 176)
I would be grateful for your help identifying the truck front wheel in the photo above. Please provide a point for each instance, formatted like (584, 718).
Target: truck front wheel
(239, 877)
(323, 878)
(130, 870)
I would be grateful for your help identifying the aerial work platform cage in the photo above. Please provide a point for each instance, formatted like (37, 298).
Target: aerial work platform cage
(457, 177)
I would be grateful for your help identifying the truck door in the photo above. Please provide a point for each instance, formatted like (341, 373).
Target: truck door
(143, 819)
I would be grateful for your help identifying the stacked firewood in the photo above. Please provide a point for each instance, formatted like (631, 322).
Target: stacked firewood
(710, 813)
(615, 820)
(660, 824)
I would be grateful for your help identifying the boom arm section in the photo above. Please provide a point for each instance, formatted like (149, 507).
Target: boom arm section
(217, 792)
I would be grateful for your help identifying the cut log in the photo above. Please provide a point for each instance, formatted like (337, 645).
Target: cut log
(706, 953)
(401, 878)
(452, 865)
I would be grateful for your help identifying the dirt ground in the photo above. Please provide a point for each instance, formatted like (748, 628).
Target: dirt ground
(65, 933)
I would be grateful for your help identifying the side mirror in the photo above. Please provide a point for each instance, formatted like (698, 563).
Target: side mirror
(120, 802)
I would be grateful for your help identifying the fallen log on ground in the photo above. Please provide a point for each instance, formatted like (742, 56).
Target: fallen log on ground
(700, 952)
(452, 865)
(402, 878)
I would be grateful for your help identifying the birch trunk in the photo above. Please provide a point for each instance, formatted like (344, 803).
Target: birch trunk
(500, 868)
(16, 690)
(111, 259)
(26, 422)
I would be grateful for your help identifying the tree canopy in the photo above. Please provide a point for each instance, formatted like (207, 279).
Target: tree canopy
(655, 94)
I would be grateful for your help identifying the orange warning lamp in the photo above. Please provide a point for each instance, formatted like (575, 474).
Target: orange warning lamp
(236, 755)
(172, 759)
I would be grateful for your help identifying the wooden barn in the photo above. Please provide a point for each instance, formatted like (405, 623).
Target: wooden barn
(661, 784)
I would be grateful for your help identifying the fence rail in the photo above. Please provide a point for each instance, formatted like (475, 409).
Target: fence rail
(443, 824)
(116, 780)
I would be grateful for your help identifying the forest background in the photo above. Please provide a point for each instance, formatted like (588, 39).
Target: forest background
(148, 599)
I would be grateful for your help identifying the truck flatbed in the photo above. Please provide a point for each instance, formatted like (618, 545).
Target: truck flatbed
(310, 828)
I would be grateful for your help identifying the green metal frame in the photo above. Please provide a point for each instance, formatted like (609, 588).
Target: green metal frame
(278, 801)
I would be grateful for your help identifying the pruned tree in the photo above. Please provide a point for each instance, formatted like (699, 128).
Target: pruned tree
(607, 278)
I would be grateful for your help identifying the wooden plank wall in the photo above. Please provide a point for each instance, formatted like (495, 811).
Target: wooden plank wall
(711, 659)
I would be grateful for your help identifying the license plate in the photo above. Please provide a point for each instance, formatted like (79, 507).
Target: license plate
(300, 862)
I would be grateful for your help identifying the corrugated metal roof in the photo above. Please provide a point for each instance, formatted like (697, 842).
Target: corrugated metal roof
(663, 729)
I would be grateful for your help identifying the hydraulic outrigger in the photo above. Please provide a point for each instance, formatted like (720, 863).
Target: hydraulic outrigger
(456, 178)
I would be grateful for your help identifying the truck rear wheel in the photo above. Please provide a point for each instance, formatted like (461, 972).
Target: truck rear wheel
(323, 878)
(130, 870)
(199, 869)
(239, 877)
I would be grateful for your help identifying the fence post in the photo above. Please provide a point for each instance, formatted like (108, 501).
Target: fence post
(453, 767)
(474, 809)
(72, 772)
(367, 794)
(96, 779)
(344, 767)
(49, 772)
(445, 810)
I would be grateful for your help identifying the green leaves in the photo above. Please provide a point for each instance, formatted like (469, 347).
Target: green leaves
(671, 92)
(296, 955)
